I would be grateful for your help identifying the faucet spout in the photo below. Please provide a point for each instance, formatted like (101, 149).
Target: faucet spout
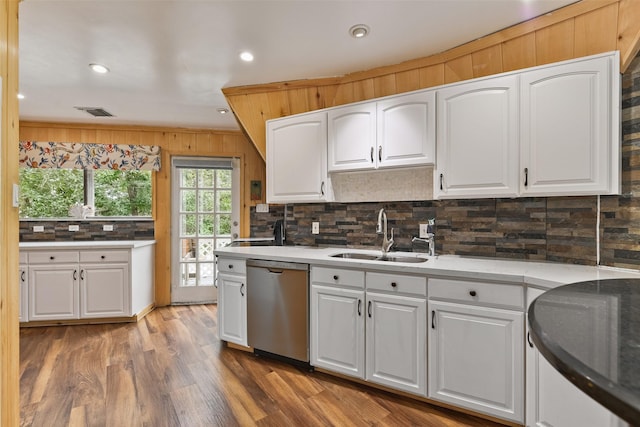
(381, 228)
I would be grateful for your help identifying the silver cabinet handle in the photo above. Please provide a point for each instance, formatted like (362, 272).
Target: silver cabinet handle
(433, 319)
(441, 181)
(81, 274)
(529, 340)
(369, 309)
(526, 177)
(359, 307)
(22, 276)
(380, 153)
(371, 154)
(75, 274)
(322, 188)
(242, 289)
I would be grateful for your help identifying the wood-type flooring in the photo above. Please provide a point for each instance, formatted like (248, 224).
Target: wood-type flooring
(170, 369)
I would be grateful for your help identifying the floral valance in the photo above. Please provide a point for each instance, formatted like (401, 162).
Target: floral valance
(56, 155)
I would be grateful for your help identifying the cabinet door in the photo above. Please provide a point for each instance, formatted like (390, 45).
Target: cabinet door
(552, 400)
(352, 138)
(397, 342)
(477, 140)
(23, 315)
(407, 130)
(337, 330)
(104, 290)
(297, 159)
(569, 129)
(53, 292)
(476, 359)
(232, 308)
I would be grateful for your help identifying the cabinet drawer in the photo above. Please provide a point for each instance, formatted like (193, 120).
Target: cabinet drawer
(104, 256)
(231, 265)
(53, 257)
(477, 292)
(337, 276)
(399, 283)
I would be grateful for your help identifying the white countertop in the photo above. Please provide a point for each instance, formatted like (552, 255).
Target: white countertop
(538, 274)
(108, 244)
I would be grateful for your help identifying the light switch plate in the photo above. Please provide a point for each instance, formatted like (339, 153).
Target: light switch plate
(38, 228)
(16, 196)
(262, 207)
(315, 227)
(107, 227)
(74, 228)
(424, 230)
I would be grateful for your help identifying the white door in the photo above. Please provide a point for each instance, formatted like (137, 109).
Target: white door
(352, 138)
(205, 216)
(53, 292)
(297, 159)
(104, 290)
(337, 330)
(397, 342)
(232, 314)
(477, 139)
(407, 130)
(476, 358)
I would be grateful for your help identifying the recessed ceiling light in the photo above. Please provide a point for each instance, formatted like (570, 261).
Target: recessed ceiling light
(359, 31)
(20, 96)
(99, 68)
(223, 110)
(246, 56)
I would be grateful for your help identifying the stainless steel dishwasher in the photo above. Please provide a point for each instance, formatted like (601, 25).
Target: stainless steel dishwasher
(278, 308)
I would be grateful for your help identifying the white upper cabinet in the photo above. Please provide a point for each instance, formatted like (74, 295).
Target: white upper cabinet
(477, 145)
(297, 159)
(352, 143)
(407, 130)
(569, 128)
(398, 131)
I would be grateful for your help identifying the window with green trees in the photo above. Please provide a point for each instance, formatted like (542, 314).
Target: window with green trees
(49, 193)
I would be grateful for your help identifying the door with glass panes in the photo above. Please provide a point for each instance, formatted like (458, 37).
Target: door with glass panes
(205, 217)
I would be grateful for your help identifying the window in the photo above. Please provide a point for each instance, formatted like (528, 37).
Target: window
(49, 193)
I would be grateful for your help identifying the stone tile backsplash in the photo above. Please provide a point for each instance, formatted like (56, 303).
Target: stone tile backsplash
(58, 230)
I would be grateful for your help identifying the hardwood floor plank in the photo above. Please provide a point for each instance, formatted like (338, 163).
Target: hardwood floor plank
(171, 370)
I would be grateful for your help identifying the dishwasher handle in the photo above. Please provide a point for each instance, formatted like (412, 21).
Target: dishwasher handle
(275, 271)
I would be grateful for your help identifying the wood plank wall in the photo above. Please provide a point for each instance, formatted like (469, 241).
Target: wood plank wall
(173, 142)
(9, 280)
(584, 28)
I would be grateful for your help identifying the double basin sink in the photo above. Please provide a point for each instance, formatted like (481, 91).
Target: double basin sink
(388, 258)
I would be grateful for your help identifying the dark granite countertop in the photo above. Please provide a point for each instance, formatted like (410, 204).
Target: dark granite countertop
(590, 332)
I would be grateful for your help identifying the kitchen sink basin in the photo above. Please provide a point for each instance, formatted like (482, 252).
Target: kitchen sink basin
(354, 255)
(409, 259)
(388, 258)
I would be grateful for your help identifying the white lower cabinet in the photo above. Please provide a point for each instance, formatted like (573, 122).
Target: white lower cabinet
(377, 335)
(397, 342)
(104, 290)
(232, 300)
(476, 354)
(86, 284)
(552, 400)
(53, 292)
(23, 277)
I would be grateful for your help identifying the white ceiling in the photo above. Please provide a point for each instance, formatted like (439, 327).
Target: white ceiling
(169, 59)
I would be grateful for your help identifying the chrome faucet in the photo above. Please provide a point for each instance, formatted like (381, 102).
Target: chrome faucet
(430, 239)
(381, 228)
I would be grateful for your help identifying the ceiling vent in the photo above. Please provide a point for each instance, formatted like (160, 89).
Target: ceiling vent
(95, 111)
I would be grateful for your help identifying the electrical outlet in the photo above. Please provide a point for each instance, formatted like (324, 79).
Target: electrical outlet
(74, 228)
(262, 207)
(315, 227)
(38, 228)
(424, 231)
(107, 227)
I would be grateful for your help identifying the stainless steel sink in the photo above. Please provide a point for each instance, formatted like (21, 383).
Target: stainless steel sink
(388, 258)
(409, 259)
(354, 255)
